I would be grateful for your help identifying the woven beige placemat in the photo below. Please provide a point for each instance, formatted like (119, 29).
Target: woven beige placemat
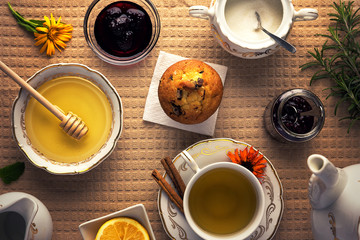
(124, 179)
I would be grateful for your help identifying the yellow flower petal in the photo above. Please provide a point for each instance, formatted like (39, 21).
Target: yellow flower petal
(50, 49)
(40, 41)
(52, 20)
(65, 30)
(64, 38)
(40, 35)
(60, 43)
(47, 22)
(44, 47)
(58, 22)
(57, 47)
(42, 29)
(53, 35)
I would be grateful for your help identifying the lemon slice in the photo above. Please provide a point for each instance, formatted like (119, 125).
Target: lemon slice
(122, 228)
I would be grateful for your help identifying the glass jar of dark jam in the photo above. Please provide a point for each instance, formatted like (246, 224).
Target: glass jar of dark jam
(122, 32)
(123, 29)
(296, 115)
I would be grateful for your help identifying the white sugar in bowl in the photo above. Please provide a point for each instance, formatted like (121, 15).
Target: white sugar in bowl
(234, 24)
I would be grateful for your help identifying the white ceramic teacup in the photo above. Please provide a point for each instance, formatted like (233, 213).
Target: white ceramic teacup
(245, 47)
(242, 176)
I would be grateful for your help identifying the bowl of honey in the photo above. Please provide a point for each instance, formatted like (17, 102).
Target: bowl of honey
(122, 32)
(81, 90)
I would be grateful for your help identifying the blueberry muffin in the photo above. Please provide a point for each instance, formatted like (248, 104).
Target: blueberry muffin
(190, 91)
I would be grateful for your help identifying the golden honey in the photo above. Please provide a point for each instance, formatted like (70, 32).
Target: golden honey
(83, 98)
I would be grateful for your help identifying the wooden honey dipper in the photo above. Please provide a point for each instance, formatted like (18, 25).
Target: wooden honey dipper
(72, 124)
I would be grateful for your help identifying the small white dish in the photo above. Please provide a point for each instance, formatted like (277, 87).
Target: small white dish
(90, 228)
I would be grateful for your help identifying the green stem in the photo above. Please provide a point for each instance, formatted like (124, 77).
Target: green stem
(27, 24)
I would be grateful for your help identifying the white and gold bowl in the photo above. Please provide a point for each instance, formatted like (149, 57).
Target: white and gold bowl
(18, 119)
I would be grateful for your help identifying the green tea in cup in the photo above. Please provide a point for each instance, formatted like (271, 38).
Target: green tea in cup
(222, 201)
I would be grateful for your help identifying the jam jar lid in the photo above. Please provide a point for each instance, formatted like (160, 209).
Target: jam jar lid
(298, 115)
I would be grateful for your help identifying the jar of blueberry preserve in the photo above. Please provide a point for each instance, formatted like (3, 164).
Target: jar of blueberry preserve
(296, 115)
(122, 32)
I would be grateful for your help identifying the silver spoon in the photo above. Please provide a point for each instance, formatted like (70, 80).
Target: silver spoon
(280, 41)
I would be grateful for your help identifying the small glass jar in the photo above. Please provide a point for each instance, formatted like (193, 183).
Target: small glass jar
(296, 115)
(91, 15)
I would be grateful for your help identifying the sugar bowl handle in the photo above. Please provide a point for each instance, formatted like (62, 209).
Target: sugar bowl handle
(306, 14)
(201, 12)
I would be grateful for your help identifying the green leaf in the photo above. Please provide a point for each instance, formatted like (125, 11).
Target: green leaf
(39, 23)
(308, 65)
(12, 172)
(352, 123)
(320, 76)
(29, 25)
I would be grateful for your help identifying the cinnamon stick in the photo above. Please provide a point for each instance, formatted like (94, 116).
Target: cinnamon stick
(174, 175)
(166, 187)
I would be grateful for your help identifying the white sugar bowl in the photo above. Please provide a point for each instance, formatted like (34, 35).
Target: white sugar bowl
(234, 25)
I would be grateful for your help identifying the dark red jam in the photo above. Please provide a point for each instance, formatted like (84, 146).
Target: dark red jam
(292, 119)
(123, 29)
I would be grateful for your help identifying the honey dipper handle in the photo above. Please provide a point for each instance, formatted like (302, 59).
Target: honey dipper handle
(53, 109)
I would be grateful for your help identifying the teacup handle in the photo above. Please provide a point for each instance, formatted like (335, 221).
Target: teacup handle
(190, 161)
(201, 12)
(306, 14)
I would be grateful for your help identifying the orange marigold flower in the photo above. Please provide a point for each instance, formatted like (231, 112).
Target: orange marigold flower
(250, 159)
(53, 35)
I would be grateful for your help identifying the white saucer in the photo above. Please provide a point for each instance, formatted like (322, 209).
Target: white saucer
(204, 153)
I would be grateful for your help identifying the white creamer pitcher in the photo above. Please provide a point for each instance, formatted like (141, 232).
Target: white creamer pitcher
(334, 198)
(24, 217)
(243, 48)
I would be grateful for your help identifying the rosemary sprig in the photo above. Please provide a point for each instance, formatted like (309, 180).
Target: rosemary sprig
(338, 58)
